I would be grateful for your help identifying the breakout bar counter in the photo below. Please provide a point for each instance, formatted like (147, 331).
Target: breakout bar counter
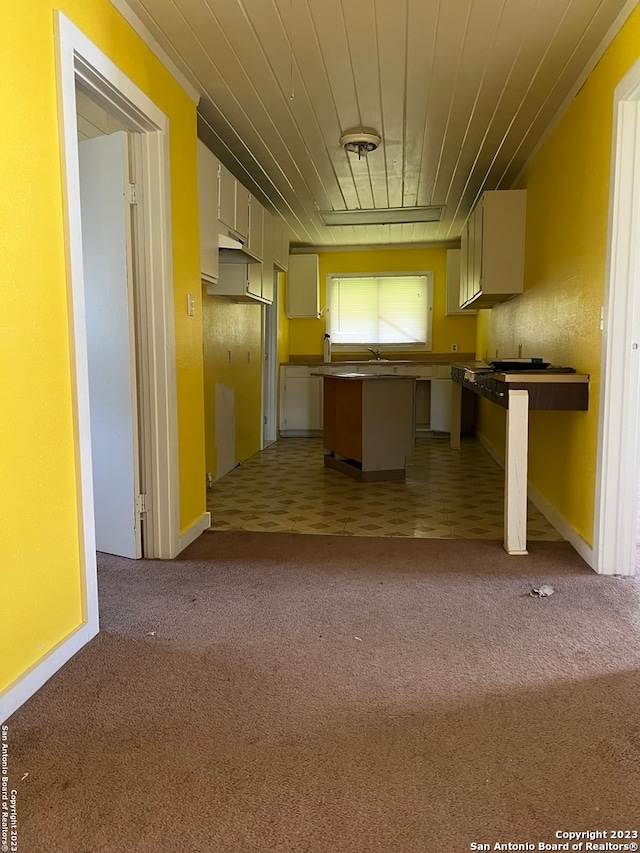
(553, 389)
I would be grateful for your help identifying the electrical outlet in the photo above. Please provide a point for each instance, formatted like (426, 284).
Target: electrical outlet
(454, 347)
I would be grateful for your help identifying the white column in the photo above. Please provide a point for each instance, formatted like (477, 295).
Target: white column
(515, 475)
(456, 414)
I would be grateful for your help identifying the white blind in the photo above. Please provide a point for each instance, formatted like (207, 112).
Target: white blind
(379, 309)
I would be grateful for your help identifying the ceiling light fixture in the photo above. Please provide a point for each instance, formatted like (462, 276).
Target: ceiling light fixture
(360, 142)
(382, 216)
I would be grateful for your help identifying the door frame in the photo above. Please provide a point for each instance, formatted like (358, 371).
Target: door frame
(81, 63)
(618, 466)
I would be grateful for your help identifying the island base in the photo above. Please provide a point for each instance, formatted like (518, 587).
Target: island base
(353, 468)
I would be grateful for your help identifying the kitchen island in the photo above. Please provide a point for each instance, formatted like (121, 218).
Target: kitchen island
(368, 424)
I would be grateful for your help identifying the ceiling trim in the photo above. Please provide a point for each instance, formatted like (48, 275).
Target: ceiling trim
(599, 52)
(139, 28)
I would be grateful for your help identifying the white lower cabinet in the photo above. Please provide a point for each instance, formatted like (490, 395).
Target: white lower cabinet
(301, 395)
(300, 401)
(440, 405)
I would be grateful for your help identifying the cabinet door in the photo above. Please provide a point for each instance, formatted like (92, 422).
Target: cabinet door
(476, 248)
(208, 212)
(441, 405)
(232, 281)
(464, 264)
(254, 285)
(268, 287)
(303, 286)
(302, 403)
(242, 211)
(276, 238)
(226, 198)
(284, 249)
(267, 256)
(255, 242)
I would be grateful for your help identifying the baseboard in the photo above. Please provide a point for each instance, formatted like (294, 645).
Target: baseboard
(191, 534)
(566, 530)
(29, 684)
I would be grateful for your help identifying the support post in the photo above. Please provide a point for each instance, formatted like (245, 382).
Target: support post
(515, 475)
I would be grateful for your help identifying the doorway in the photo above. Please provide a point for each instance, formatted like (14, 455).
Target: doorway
(618, 474)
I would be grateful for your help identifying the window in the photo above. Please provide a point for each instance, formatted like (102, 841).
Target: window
(393, 309)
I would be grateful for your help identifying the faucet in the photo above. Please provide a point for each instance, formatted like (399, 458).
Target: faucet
(376, 352)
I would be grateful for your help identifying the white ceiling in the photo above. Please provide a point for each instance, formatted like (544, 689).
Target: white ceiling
(461, 91)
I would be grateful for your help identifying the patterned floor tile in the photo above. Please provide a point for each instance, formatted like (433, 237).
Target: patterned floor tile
(446, 494)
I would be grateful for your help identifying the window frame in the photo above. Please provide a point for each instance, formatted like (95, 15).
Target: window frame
(427, 346)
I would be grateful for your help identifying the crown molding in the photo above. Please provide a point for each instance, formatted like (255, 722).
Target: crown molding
(141, 30)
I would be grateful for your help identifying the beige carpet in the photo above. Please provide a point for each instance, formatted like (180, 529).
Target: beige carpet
(277, 692)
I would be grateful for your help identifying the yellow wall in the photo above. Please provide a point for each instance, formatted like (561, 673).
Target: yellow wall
(41, 550)
(232, 357)
(558, 316)
(306, 336)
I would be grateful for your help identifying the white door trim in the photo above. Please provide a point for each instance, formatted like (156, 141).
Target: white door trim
(618, 455)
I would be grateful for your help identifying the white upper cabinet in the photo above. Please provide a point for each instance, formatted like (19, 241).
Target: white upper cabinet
(492, 249)
(233, 204)
(242, 211)
(280, 245)
(208, 212)
(255, 242)
(303, 286)
(267, 257)
(454, 285)
(227, 207)
(226, 198)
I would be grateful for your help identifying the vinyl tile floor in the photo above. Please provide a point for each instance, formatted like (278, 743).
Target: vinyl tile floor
(446, 494)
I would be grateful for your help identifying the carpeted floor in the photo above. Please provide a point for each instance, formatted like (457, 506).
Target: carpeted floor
(277, 692)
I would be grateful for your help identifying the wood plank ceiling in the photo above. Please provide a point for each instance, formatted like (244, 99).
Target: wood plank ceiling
(461, 92)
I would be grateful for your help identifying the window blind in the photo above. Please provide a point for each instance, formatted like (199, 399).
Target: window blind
(379, 309)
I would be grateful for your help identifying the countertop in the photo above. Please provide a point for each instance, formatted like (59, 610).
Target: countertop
(553, 375)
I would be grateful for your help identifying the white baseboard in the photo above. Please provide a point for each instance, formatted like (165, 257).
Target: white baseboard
(566, 530)
(40, 673)
(191, 534)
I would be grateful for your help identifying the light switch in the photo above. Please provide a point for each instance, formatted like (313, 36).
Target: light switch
(191, 304)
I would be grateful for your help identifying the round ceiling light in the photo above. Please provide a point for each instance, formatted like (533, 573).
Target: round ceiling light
(360, 142)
